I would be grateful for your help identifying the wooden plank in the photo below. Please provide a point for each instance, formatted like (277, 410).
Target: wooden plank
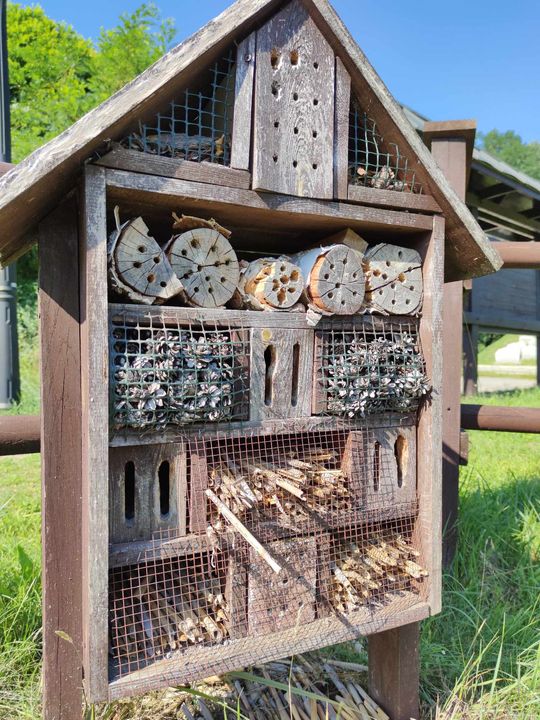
(406, 608)
(429, 442)
(501, 419)
(203, 172)
(251, 208)
(294, 98)
(392, 199)
(394, 671)
(44, 177)
(281, 373)
(498, 323)
(130, 553)
(243, 103)
(147, 518)
(95, 423)
(395, 485)
(341, 131)
(61, 463)
(198, 482)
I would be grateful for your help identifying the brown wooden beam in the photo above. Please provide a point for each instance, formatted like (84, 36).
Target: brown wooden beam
(500, 419)
(394, 670)
(19, 434)
(495, 191)
(519, 254)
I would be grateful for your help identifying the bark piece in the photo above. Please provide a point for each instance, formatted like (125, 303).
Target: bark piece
(138, 267)
(206, 264)
(271, 283)
(334, 278)
(393, 279)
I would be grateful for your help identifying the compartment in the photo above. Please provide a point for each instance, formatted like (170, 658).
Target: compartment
(176, 372)
(163, 608)
(281, 373)
(147, 491)
(368, 366)
(392, 463)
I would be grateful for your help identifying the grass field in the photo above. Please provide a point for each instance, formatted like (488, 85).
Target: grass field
(480, 657)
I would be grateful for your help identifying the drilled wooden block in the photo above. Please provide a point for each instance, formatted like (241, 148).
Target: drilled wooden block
(277, 601)
(147, 491)
(294, 106)
(391, 459)
(281, 373)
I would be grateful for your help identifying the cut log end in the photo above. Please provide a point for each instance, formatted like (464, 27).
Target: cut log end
(336, 282)
(393, 279)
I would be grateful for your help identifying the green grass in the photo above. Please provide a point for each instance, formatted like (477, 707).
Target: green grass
(486, 356)
(480, 656)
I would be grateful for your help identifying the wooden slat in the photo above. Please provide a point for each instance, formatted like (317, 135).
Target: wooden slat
(95, 471)
(294, 100)
(203, 172)
(341, 131)
(392, 199)
(243, 103)
(502, 419)
(247, 207)
(198, 482)
(61, 463)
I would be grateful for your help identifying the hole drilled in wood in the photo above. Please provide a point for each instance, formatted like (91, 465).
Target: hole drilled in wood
(275, 158)
(275, 57)
(295, 373)
(316, 65)
(376, 465)
(401, 453)
(164, 488)
(315, 101)
(137, 265)
(269, 365)
(156, 259)
(276, 124)
(295, 163)
(163, 284)
(151, 278)
(294, 57)
(275, 89)
(295, 96)
(141, 248)
(295, 131)
(314, 166)
(129, 490)
(314, 133)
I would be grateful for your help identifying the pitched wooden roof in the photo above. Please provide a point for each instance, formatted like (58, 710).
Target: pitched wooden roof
(33, 187)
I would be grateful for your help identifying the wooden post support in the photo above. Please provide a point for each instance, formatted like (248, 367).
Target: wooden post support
(451, 146)
(61, 443)
(394, 671)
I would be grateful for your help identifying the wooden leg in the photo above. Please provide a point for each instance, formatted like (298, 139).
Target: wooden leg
(470, 363)
(394, 671)
(60, 465)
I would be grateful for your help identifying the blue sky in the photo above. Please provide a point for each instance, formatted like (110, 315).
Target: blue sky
(468, 59)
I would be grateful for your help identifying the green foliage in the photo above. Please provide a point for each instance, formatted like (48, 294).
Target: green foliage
(509, 146)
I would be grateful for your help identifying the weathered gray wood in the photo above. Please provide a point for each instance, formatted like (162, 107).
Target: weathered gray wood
(393, 279)
(406, 608)
(271, 283)
(429, 435)
(391, 484)
(281, 373)
(341, 131)
(392, 199)
(129, 553)
(205, 172)
(294, 98)
(147, 519)
(236, 588)
(198, 483)
(45, 176)
(243, 103)
(95, 422)
(61, 463)
(258, 209)
(287, 600)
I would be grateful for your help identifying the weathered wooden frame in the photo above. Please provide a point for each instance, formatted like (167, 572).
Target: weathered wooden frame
(102, 185)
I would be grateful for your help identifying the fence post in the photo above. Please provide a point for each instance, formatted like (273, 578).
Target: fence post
(451, 145)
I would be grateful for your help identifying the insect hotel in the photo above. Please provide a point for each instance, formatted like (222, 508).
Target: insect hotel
(242, 262)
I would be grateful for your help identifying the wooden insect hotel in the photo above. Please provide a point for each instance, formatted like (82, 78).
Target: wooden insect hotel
(242, 261)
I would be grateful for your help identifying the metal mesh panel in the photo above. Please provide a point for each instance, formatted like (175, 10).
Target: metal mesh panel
(198, 124)
(372, 161)
(174, 373)
(371, 366)
(191, 606)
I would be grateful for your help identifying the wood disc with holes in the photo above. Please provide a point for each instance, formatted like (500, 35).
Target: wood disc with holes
(393, 279)
(138, 267)
(275, 283)
(335, 278)
(206, 264)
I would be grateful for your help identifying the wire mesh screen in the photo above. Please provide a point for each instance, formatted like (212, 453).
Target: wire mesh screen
(198, 124)
(368, 367)
(292, 559)
(169, 373)
(373, 162)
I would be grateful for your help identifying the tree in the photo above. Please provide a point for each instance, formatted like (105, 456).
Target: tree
(56, 76)
(509, 146)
